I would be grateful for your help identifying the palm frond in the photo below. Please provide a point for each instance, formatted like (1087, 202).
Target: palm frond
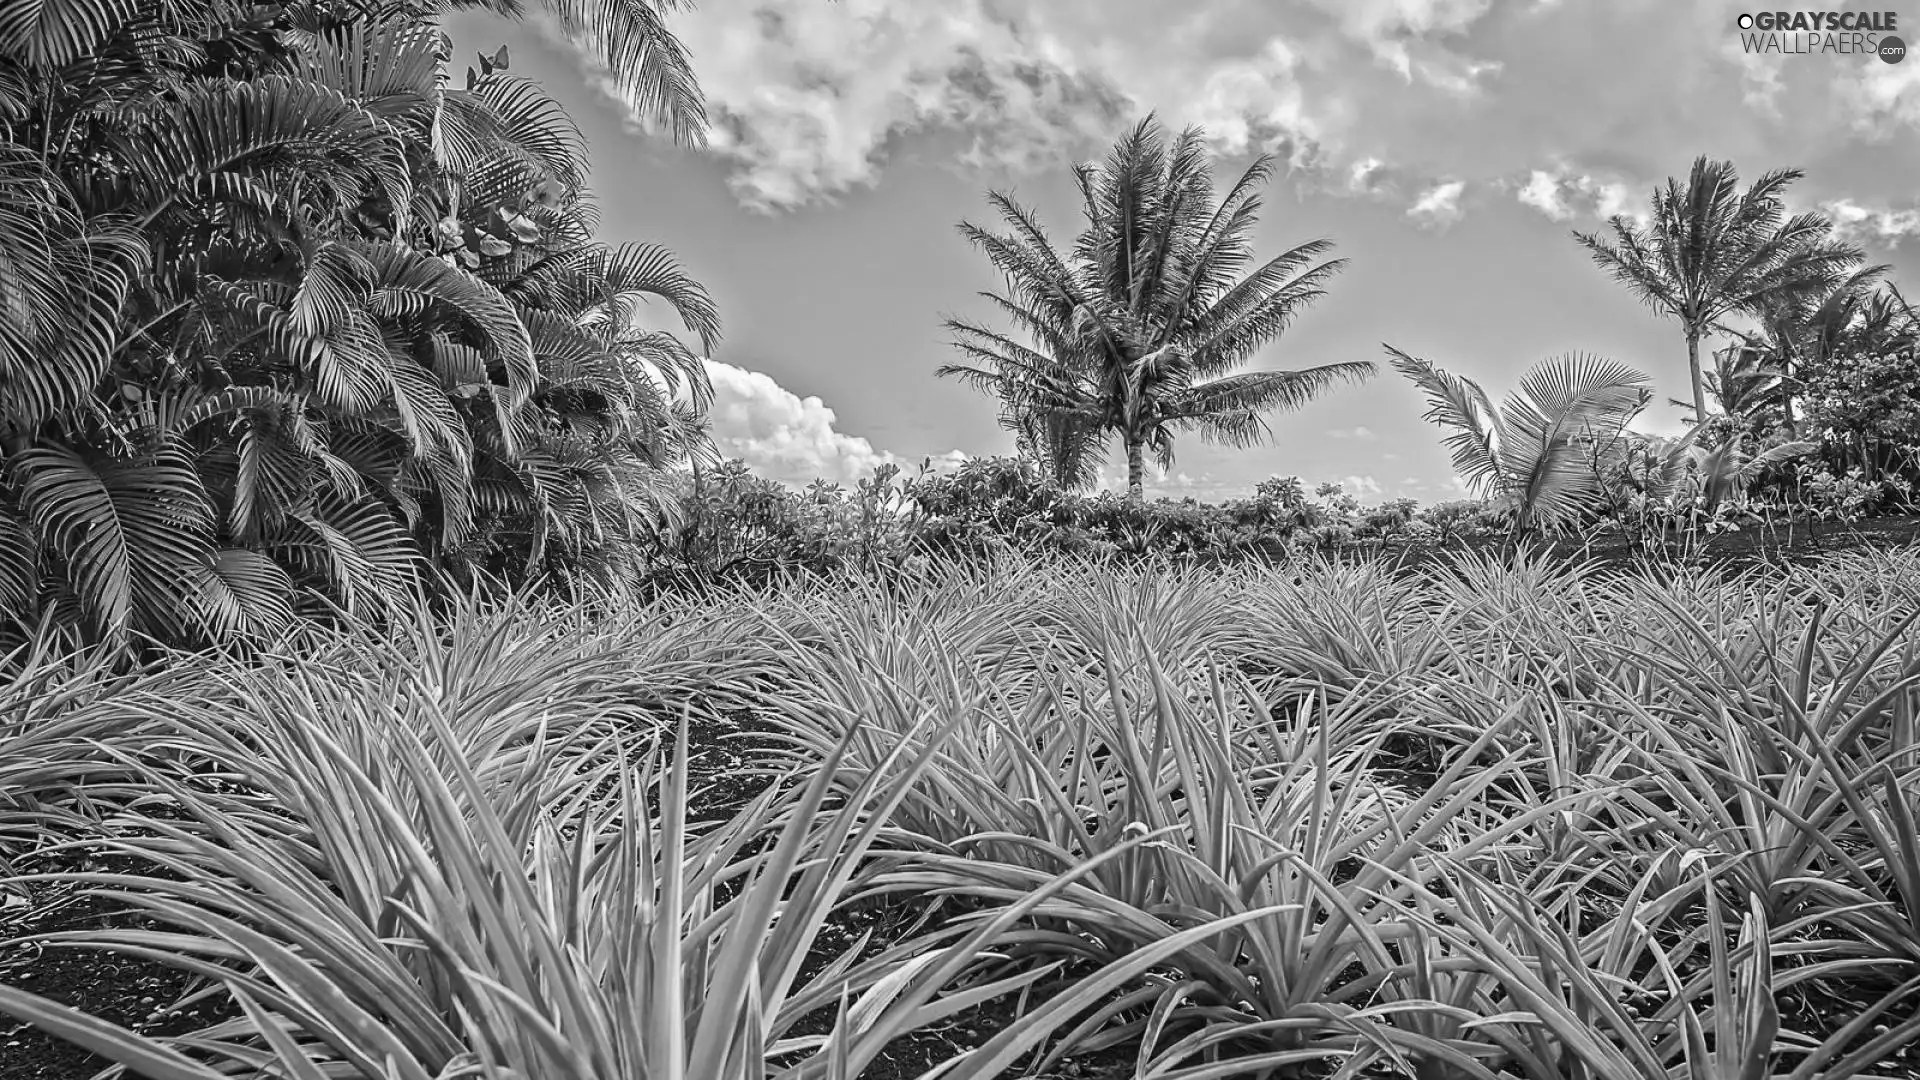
(133, 535)
(1458, 403)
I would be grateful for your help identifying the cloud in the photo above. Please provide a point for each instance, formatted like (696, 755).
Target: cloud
(1365, 487)
(1863, 224)
(1561, 195)
(1391, 99)
(1881, 98)
(1761, 78)
(1361, 432)
(1542, 192)
(809, 99)
(785, 437)
(1364, 176)
(1396, 31)
(1439, 205)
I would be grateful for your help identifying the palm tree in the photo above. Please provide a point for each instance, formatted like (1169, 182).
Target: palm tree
(1137, 331)
(1550, 447)
(1750, 385)
(1711, 250)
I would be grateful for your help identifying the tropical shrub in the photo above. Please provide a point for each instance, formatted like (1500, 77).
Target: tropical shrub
(289, 317)
(1851, 496)
(1865, 405)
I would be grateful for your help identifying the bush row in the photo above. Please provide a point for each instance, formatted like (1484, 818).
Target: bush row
(726, 520)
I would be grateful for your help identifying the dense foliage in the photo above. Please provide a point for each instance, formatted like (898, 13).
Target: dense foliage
(289, 313)
(1639, 491)
(732, 524)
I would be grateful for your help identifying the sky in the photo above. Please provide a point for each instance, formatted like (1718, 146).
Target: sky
(1448, 148)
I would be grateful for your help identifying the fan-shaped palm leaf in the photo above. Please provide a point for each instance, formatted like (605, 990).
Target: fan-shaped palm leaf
(1551, 445)
(274, 133)
(247, 595)
(132, 535)
(610, 283)
(390, 68)
(19, 563)
(649, 66)
(1459, 405)
(509, 121)
(1566, 413)
(63, 285)
(356, 548)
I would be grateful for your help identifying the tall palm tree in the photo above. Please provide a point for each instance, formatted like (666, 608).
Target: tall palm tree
(1711, 250)
(1550, 447)
(1136, 332)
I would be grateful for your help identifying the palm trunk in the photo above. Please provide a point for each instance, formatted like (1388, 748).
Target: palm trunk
(1136, 470)
(1693, 372)
(1786, 398)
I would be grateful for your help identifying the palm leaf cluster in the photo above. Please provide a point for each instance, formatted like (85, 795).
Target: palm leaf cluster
(1136, 332)
(288, 312)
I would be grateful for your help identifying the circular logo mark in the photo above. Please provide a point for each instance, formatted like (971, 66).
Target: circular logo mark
(1744, 22)
(1892, 49)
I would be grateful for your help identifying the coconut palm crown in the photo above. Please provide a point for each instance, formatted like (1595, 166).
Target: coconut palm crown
(1136, 333)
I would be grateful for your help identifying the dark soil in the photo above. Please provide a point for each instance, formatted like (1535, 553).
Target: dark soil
(139, 994)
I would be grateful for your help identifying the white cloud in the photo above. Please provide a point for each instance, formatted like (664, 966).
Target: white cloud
(1561, 194)
(1439, 205)
(1364, 487)
(1864, 224)
(1397, 33)
(806, 97)
(1542, 192)
(1881, 98)
(810, 97)
(1361, 432)
(1760, 78)
(1371, 19)
(785, 437)
(1255, 104)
